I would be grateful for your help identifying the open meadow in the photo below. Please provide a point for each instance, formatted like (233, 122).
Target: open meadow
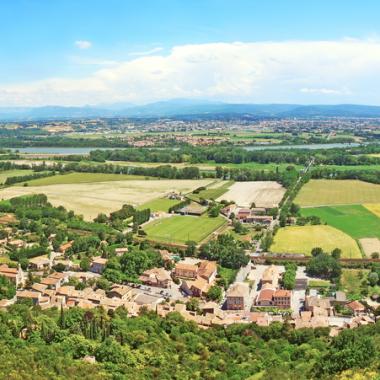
(302, 239)
(159, 204)
(322, 192)
(355, 220)
(213, 191)
(90, 199)
(370, 245)
(262, 193)
(180, 229)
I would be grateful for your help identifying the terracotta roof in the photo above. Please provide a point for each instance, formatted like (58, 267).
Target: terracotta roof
(99, 260)
(265, 295)
(207, 268)
(238, 289)
(188, 267)
(282, 293)
(356, 306)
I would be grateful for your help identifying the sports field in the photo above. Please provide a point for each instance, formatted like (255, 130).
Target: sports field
(180, 229)
(159, 204)
(72, 178)
(302, 239)
(322, 192)
(91, 198)
(355, 220)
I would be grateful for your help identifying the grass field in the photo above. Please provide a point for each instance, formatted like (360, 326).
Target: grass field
(159, 204)
(256, 166)
(13, 173)
(90, 199)
(355, 220)
(73, 178)
(323, 192)
(213, 191)
(373, 207)
(180, 229)
(351, 167)
(302, 239)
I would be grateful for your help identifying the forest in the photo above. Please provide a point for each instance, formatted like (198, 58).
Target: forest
(53, 344)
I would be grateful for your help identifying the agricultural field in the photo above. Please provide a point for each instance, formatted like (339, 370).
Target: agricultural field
(262, 193)
(302, 239)
(73, 178)
(323, 192)
(13, 173)
(373, 207)
(370, 245)
(253, 166)
(91, 198)
(159, 204)
(180, 229)
(355, 220)
(213, 191)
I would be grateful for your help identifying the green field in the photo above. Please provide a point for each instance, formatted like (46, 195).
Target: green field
(302, 239)
(211, 193)
(354, 220)
(180, 229)
(323, 192)
(13, 173)
(257, 166)
(159, 204)
(350, 167)
(72, 178)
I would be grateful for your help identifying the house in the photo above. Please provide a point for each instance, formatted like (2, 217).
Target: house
(258, 211)
(51, 282)
(122, 292)
(192, 209)
(199, 287)
(237, 296)
(17, 243)
(260, 219)
(16, 275)
(39, 263)
(156, 277)
(207, 270)
(243, 214)
(98, 264)
(64, 247)
(183, 270)
(265, 297)
(35, 297)
(120, 251)
(339, 298)
(282, 298)
(356, 307)
(318, 306)
(271, 276)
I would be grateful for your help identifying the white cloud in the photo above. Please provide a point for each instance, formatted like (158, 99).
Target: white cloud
(83, 44)
(346, 71)
(146, 52)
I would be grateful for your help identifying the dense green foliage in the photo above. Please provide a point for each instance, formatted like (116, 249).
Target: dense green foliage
(227, 251)
(149, 347)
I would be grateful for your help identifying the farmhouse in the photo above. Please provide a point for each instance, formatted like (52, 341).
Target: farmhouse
(207, 270)
(318, 306)
(16, 275)
(271, 277)
(356, 307)
(39, 263)
(192, 209)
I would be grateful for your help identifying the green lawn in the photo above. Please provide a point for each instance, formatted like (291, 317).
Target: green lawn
(180, 229)
(13, 173)
(159, 204)
(211, 193)
(354, 220)
(72, 178)
(302, 239)
(324, 192)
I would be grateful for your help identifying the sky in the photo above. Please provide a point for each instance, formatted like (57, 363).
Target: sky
(96, 52)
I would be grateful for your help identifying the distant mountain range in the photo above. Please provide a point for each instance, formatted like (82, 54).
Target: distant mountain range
(187, 108)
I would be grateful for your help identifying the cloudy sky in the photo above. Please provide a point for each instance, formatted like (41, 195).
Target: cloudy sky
(78, 52)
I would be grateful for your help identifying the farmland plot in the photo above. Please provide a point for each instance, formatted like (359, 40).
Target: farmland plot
(262, 193)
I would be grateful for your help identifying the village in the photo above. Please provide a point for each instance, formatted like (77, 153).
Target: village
(256, 295)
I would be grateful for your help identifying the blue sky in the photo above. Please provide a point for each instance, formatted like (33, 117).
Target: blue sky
(86, 52)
